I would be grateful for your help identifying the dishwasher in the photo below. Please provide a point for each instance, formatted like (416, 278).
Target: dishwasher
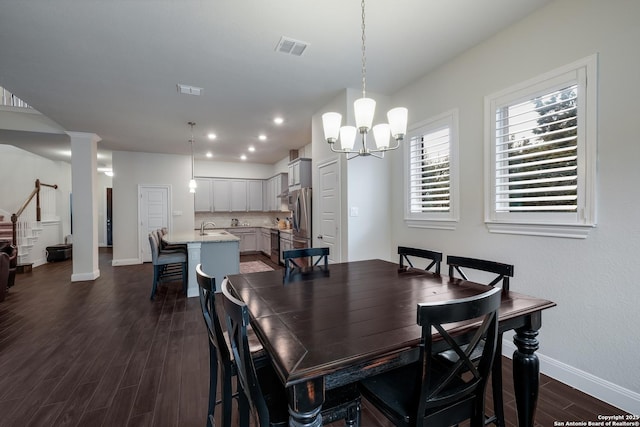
(275, 245)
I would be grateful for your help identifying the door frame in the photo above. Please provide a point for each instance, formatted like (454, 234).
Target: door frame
(142, 240)
(317, 206)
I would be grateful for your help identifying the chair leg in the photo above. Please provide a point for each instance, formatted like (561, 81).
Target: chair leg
(243, 406)
(496, 384)
(213, 383)
(227, 395)
(185, 278)
(156, 277)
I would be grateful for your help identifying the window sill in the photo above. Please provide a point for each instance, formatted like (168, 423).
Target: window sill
(549, 230)
(431, 223)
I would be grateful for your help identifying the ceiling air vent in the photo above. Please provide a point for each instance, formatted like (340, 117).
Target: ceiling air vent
(291, 46)
(189, 90)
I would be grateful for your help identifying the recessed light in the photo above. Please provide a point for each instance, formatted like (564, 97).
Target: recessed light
(243, 157)
(262, 137)
(212, 136)
(209, 154)
(278, 120)
(252, 148)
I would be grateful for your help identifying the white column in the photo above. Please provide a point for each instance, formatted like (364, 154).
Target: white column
(84, 165)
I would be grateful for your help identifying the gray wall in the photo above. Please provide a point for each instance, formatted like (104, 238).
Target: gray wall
(590, 338)
(132, 170)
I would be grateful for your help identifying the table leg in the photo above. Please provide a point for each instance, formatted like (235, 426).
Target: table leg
(305, 403)
(526, 373)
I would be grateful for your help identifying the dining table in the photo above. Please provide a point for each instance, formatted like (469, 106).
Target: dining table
(326, 327)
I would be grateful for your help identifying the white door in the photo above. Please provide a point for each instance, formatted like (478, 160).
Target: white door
(329, 209)
(153, 210)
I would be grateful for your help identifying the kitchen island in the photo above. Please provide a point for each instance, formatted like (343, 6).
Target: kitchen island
(217, 250)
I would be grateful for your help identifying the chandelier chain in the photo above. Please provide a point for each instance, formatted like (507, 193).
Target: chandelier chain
(364, 57)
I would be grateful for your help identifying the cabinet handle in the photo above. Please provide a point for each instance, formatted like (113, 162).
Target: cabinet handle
(320, 236)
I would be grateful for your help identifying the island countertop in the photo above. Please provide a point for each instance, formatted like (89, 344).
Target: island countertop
(210, 236)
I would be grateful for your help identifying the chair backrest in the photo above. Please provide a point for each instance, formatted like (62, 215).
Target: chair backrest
(291, 255)
(435, 257)
(158, 234)
(445, 384)
(237, 315)
(207, 289)
(503, 271)
(155, 250)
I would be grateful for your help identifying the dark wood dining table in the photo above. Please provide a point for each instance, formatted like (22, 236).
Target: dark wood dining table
(325, 328)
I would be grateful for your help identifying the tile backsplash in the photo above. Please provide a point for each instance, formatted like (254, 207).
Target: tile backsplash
(223, 220)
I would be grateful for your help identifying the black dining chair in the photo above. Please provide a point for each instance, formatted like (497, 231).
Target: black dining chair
(292, 255)
(262, 392)
(167, 266)
(429, 393)
(220, 354)
(502, 272)
(406, 252)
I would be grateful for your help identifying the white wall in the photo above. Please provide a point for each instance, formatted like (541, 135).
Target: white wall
(20, 169)
(134, 169)
(364, 185)
(591, 334)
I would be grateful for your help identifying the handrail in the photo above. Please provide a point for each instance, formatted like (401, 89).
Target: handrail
(14, 217)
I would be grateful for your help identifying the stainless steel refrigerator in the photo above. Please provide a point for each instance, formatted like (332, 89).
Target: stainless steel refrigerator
(300, 207)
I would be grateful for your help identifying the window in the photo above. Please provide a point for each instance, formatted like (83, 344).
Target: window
(431, 173)
(541, 151)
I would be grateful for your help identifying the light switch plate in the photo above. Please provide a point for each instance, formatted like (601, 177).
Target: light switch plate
(354, 211)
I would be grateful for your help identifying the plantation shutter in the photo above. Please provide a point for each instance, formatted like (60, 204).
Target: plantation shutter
(537, 154)
(429, 172)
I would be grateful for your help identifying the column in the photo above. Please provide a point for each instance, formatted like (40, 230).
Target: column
(84, 209)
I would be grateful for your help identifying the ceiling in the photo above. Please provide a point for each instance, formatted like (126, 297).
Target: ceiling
(112, 67)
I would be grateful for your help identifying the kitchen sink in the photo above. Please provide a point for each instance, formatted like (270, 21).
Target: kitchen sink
(214, 233)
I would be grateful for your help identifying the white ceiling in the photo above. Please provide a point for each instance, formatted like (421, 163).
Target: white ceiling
(111, 67)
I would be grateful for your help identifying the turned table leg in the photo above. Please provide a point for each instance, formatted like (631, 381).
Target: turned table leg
(305, 403)
(526, 371)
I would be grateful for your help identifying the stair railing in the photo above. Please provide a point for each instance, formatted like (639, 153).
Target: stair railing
(35, 193)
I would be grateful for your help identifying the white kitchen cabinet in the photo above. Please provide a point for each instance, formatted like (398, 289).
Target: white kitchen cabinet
(221, 195)
(202, 199)
(254, 195)
(248, 238)
(274, 188)
(299, 173)
(238, 195)
(265, 241)
(241, 195)
(230, 195)
(286, 243)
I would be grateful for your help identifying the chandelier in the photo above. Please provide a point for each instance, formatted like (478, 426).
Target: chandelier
(364, 109)
(192, 182)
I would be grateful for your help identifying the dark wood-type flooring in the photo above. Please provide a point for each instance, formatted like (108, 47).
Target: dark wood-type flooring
(102, 354)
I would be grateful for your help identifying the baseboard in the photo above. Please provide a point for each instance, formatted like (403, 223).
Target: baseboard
(83, 277)
(125, 261)
(603, 390)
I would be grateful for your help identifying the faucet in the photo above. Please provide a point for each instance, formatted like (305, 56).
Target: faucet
(204, 225)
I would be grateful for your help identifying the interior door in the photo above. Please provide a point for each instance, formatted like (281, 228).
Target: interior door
(329, 209)
(154, 213)
(109, 216)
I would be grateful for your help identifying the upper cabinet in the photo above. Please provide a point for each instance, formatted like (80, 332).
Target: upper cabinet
(274, 192)
(229, 195)
(202, 197)
(254, 195)
(299, 173)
